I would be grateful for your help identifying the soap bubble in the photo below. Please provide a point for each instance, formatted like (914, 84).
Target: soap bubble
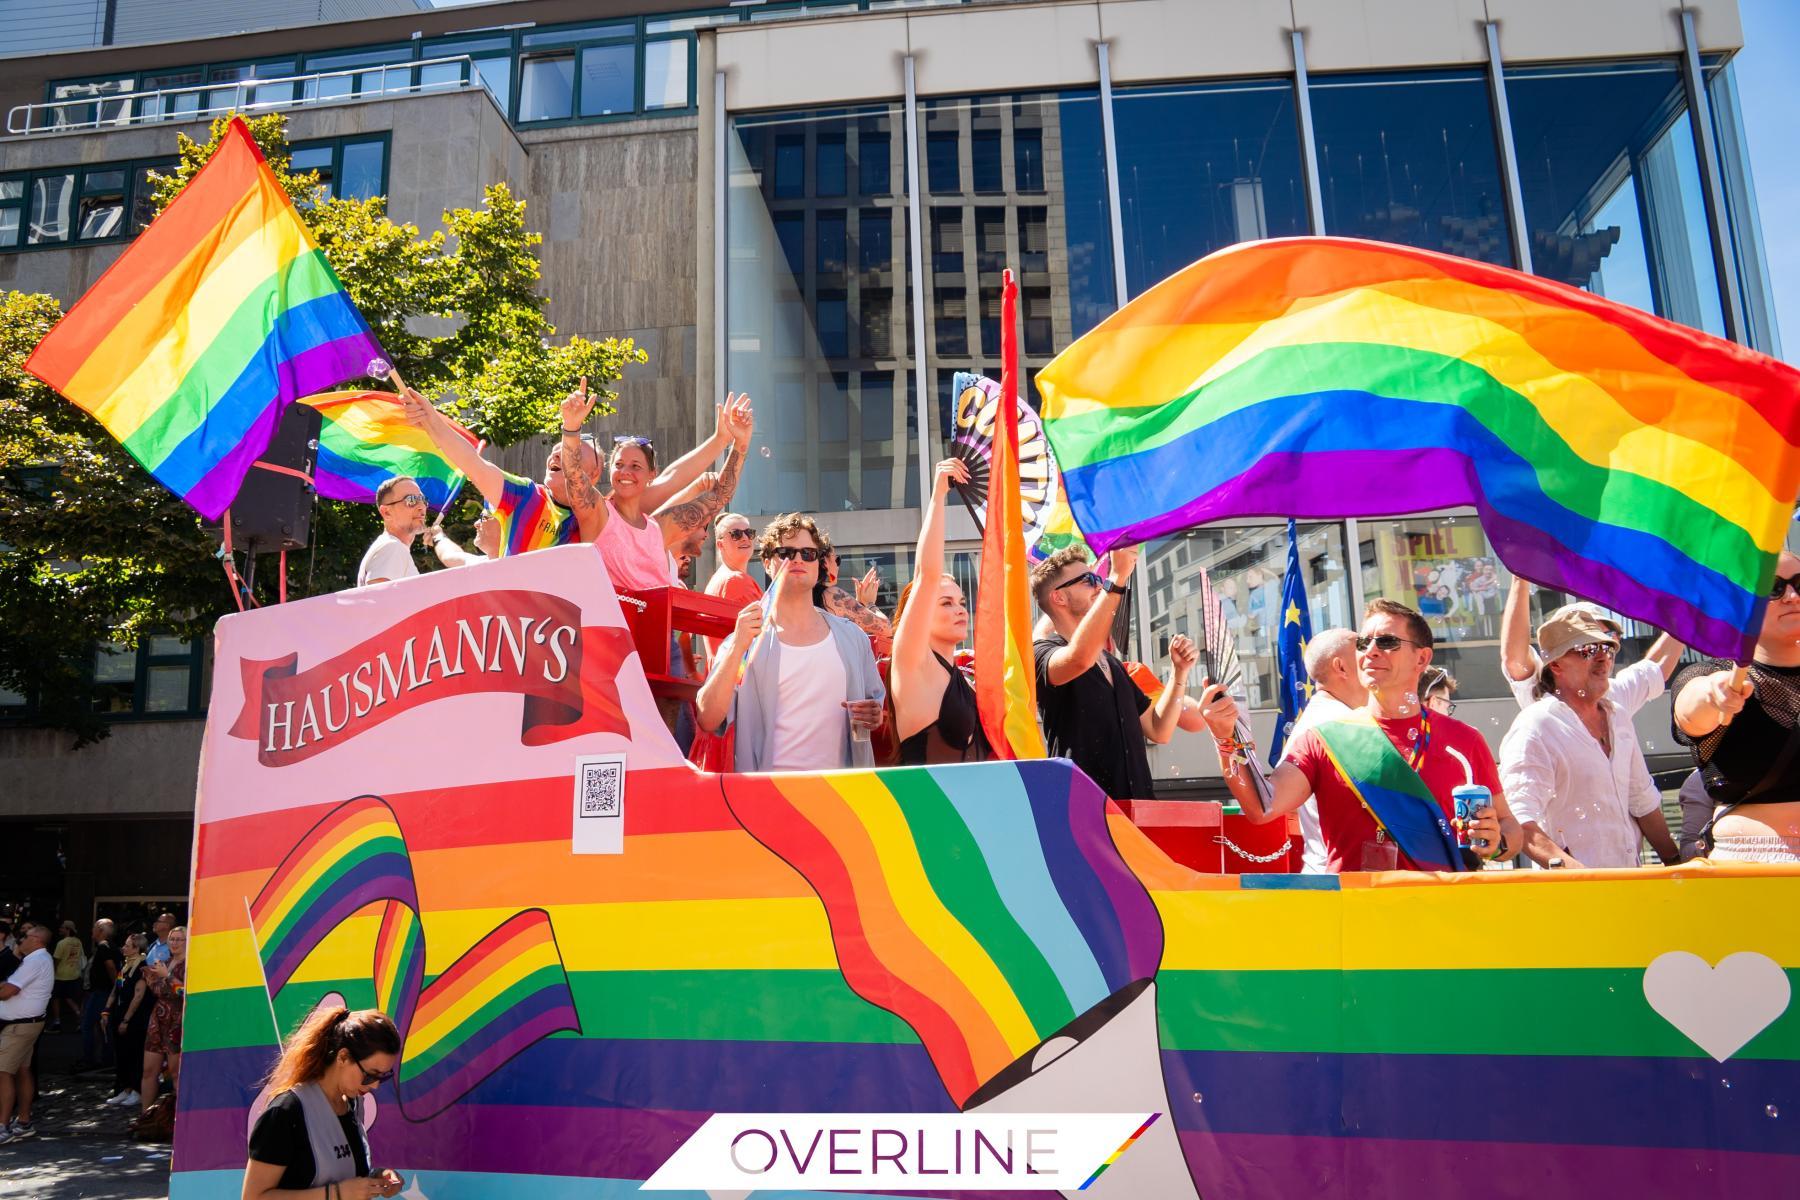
(1772, 1110)
(764, 451)
(379, 368)
(1197, 1099)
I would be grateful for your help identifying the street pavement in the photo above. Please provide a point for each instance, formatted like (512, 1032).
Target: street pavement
(82, 1147)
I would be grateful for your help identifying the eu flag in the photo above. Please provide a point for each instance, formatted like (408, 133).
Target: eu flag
(1296, 631)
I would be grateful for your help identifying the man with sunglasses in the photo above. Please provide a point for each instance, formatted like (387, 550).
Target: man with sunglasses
(806, 696)
(1571, 762)
(1430, 749)
(402, 508)
(734, 539)
(1093, 714)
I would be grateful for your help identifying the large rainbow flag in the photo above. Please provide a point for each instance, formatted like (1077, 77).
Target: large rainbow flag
(365, 438)
(1005, 669)
(220, 315)
(1610, 453)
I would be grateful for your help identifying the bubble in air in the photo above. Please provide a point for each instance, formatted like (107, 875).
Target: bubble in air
(1772, 1110)
(1197, 1099)
(764, 451)
(379, 368)
(1726, 1083)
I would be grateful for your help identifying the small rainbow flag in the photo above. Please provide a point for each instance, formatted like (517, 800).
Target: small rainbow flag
(1611, 454)
(1005, 672)
(365, 439)
(220, 315)
(508, 992)
(984, 904)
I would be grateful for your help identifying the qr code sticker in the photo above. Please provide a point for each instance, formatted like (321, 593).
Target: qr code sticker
(600, 782)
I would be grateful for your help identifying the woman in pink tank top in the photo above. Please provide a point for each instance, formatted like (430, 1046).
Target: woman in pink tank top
(632, 534)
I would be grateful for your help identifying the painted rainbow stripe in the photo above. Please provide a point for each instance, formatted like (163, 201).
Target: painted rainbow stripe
(220, 315)
(508, 992)
(983, 904)
(365, 438)
(1610, 453)
(1119, 1153)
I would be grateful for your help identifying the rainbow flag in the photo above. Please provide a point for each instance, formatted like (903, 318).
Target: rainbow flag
(983, 904)
(365, 438)
(1005, 670)
(506, 993)
(1610, 454)
(220, 315)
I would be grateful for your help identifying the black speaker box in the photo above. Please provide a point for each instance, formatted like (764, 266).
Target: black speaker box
(273, 510)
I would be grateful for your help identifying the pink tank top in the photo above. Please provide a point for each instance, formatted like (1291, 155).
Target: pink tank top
(635, 558)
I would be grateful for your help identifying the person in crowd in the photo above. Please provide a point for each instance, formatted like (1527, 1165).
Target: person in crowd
(1437, 690)
(734, 540)
(1330, 659)
(102, 970)
(159, 948)
(808, 694)
(1574, 772)
(934, 707)
(389, 557)
(128, 1017)
(450, 554)
(24, 999)
(167, 984)
(858, 608)
(633, 535)
(1393, 649)
(1523, 668)
(1745, 734)
(66, 996)
(309, 1142)
(1092, 712)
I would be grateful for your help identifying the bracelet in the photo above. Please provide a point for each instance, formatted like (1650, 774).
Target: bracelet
(1500, 853)
(571, 433)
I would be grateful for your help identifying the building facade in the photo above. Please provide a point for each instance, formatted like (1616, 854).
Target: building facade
(813, 202)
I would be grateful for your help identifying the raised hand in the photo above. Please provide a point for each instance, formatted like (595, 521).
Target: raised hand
(749, 624)
(576, 406)
(1124, 561)
(1218, 710)
(418, 409)
(869, 586)
(1183, 654)
(736, 420)
(951, 470)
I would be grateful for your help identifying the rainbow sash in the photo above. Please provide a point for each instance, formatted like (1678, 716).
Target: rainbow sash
(1391, 790)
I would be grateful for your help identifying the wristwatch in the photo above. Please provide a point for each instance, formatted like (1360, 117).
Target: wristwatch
(1114, 589)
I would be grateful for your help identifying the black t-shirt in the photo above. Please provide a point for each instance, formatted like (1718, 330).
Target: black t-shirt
(1735, 758)
(97, 978)
(1093, 722)
(279, 1139)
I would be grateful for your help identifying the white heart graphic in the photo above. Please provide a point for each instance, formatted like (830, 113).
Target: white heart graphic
(1719, 1008)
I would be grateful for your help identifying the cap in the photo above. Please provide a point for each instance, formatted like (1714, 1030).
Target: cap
(1574, 625)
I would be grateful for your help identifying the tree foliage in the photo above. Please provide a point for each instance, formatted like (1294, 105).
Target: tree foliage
(93, 550)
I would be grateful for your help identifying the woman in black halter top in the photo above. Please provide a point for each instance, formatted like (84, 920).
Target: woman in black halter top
(934, 706)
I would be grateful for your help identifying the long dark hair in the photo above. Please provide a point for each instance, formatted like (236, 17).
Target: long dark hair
(310, 1051)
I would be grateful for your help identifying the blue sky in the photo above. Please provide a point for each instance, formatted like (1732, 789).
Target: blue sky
(1767, 90)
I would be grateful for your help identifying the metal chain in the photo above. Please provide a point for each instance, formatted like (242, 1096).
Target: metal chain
(1246, 855)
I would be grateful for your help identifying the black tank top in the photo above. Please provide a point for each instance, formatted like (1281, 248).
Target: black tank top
(956, 735)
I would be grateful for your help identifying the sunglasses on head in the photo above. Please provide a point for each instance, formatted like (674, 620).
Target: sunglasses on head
(1091, 579)
(1383, 641)
(1595, 650)
(1782, 585)
(632, 439)
(411, 500)
(371, 1078)
(803, 553)
(740, 535)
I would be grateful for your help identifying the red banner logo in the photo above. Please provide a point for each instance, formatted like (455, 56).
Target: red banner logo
(529, 643)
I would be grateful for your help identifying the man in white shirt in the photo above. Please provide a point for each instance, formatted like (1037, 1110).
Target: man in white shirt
(1571, 764)
(389, 556)
(1522, 668)
(1331, 665)
(24, 998)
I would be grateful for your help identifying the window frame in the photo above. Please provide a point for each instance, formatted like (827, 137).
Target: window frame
(193, 658)
(385, 137)
(132, 168)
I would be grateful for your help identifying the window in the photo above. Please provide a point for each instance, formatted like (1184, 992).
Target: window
(182, 104)
(162, 676)
(950, 323)
(547, 87)
(1412, 159)
(875, 240)
(608, 80)
(359, 83)
(492, 61)
(102, 203)
(1028, 159)
(946, 241)
(828, 170)
(143, 200)
(102, 111)
(984, 153)
(831, 229)
(12, 202)
(942, 172)
(1202, 167)
(101, 213)
(52, 197)
(666, 72)
(354, 168)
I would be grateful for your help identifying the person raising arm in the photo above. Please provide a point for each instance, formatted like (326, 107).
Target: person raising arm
(935, 715)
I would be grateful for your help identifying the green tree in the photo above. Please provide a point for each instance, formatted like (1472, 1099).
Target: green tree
(95, 551)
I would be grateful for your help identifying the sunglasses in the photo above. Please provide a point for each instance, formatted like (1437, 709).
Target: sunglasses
(803, 553)
(1091, 579)
(1384, 641)
(1595, 650)
(1783, 585)
(411, 500)
(740, 535)
(371, 1078)
(632, 439)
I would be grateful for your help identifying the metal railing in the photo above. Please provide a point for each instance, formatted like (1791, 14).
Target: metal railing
(204, 101)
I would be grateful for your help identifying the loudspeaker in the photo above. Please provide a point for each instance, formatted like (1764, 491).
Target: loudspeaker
(273, 510)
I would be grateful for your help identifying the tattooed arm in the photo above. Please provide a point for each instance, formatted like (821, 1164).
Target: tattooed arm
(840, 603)
(681, 519)
(580, 464)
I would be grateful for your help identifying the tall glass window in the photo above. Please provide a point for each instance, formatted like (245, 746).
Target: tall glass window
(818, 314)
(1746, 222)
(1034, 199)
(1612, 186)
(1203, 166)
(1412, 159)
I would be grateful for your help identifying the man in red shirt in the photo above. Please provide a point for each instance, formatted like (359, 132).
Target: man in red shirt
(1393, 650)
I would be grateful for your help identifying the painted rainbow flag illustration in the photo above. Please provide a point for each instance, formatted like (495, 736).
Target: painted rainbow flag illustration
(220, 315)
